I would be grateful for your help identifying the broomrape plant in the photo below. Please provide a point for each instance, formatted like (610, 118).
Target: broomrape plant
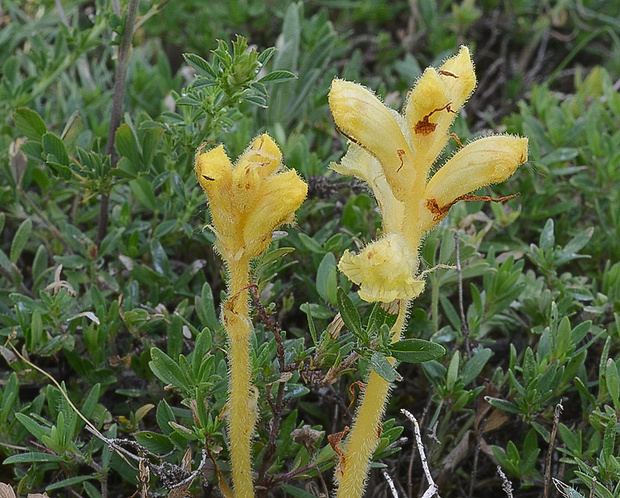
(248, 201)
(394, 153)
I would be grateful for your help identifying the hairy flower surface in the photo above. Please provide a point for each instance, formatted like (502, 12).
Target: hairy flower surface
(251, 199)
(394, 154)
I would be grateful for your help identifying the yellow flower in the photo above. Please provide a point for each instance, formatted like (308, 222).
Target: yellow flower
(385, 270)
(251, 199)
(394, 153)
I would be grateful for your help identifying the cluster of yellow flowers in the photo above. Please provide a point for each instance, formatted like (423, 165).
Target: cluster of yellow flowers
(394, 154)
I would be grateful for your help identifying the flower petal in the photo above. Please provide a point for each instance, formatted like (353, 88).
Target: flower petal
(365, 120)
(432, 106)
(280, 196)
(360, 163)
(385, 270)
(461, 86)
(483, 162)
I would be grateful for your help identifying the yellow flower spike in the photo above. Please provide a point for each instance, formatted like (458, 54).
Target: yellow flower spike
(251, 199)
(365, 120)
(248, 201)
(394, 154)
(384, 270)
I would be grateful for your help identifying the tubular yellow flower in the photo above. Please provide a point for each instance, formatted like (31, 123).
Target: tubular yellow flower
(394, 153)
(384, 270)
(248, 202)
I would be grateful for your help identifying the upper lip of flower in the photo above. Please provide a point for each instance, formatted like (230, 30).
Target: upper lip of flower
(394, 152)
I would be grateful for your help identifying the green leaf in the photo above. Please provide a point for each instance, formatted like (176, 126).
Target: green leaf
(155, 442)
(327, 278)
(201, 66)
(502, 404)
(127, 145)
(71, 481)
(277, 76)
(379, 317)
(609, 439)
(453, 370)
(31, 457)
(350, 316)
(167, 370)
(416, 350)
(29, 123)
(142, 190)
(33, 427)
(311, 244)
(164, 415)
(383, 367)
(475, 365)
(55, 149)
(19, 240)
(289, 489)
(547, 238)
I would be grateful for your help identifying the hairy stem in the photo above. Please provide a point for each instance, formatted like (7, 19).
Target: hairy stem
(242, 415)
(366, 430)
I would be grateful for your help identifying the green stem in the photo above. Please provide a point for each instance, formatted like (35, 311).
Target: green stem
(242, 416)
(353, 471)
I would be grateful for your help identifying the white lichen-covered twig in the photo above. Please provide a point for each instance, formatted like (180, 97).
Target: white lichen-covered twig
(433, 489)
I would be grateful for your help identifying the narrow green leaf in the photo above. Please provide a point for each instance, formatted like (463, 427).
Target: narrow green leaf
(65, 483)
(289, 489)
(164, 415)
(127, 145)
(327, 278)
(383, 367)
(19, 240)
(29, 123)
(265, 55)
(311, 244)
(416, 350)
(547, 237)
(349, 314)
(277, 76)
(201, 66)
(502, 404)
(31, 457)
(475, 365)
(55, 149)
(155, 442)
(142, 190)
(167, 370)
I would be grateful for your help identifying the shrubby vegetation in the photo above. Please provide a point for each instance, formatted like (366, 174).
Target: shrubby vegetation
(115, 375)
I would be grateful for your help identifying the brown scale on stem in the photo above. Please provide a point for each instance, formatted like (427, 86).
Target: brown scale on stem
(334, 441)
(361, 386)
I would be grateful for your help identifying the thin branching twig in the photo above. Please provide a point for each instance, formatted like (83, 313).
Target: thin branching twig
(459, 272)
(556, 421)
(390, 483)
(506, 484)
(433, 489)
